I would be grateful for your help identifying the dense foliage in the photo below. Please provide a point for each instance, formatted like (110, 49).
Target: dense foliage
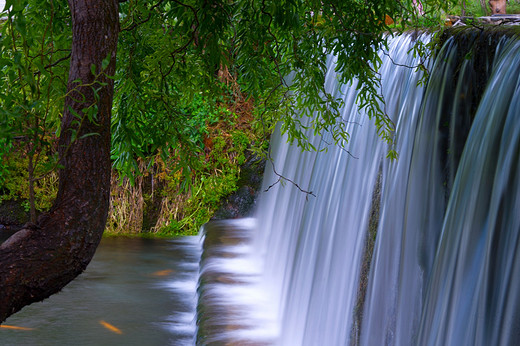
(175, 60)
(34, 51)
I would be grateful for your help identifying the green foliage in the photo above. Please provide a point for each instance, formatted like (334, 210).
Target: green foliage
(34, 51)
(171, 52)
(34, 46)
(156, 87)
(219, 169)
(15, 185)
(276, 39)
(170, 87)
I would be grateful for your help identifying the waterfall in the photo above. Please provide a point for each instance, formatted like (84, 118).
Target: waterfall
(440, 271)
(472, 296)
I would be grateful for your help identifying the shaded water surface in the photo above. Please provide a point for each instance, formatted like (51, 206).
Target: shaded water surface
(134, 292)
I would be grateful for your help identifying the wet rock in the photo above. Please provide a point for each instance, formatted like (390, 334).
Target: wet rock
(241, 203)
(496, 19)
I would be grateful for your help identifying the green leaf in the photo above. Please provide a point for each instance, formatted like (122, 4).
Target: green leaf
(89, 135)
(105, 62)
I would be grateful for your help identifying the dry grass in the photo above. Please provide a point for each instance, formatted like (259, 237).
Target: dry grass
(126, 205)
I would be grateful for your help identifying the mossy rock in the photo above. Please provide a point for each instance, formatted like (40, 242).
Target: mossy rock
(12, 214)
(242, 202)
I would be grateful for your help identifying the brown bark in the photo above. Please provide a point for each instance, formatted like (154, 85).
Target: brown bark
(498, 6)
(41, 259)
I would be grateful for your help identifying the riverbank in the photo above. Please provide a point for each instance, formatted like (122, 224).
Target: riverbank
(150, 208)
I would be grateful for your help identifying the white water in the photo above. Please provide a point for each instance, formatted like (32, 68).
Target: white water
(322, 241)
(473, 293)
(442, 271)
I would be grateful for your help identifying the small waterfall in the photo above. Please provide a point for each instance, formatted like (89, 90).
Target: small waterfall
(472, 296)
(320, 246)
(441, 270)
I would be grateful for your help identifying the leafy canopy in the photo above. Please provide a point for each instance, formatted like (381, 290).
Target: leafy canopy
(172, 52)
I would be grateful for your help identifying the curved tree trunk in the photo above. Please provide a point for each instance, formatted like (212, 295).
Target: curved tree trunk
(41, 259)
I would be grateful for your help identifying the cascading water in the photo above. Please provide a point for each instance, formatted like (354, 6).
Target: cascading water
(443, 264)
(473, 294)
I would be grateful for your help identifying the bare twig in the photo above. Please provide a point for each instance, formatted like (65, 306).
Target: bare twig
(281, 177)
(341, 147)
(136, 24)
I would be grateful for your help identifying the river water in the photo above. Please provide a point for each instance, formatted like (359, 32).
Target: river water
(134, 292)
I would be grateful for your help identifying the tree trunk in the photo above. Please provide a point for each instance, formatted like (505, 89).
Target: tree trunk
(497, 6)
(41, 259)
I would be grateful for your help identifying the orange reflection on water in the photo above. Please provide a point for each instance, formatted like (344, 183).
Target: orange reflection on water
(15, 327)
(110, 327)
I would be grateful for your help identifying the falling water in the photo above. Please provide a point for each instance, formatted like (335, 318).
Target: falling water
(443, 263)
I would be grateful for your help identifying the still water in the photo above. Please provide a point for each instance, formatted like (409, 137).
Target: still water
(134, 292)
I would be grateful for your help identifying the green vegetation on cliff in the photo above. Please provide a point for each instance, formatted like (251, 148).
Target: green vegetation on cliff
(197, 86)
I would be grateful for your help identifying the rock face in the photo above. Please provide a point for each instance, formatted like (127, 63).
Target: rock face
(241, 203)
